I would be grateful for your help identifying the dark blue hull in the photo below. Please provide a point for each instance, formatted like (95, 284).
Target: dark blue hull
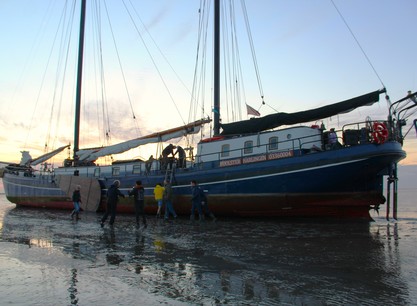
(340, 183)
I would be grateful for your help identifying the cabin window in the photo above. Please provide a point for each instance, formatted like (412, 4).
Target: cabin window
(136, 169)
(248, 147)
(225, 150)
(115, 171)
(97, 172)
(273, 143)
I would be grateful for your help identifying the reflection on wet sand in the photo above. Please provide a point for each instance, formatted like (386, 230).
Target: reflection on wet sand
(73, 287)
(231, 261)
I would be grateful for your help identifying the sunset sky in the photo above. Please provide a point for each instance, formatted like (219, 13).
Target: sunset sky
(306, 55)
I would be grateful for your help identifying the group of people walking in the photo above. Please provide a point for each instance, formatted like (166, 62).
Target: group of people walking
(163, 195)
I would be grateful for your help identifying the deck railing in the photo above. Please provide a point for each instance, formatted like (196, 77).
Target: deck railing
(351, 134)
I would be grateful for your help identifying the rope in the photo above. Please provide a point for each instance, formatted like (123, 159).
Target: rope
(121, 68)
(357, 41)
(63, 48)
(255, 62)
(151, 57)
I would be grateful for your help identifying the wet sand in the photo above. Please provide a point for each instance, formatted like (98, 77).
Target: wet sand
(47, 259)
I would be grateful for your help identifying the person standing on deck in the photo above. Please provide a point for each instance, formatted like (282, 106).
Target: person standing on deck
(332, 139)
(181, 157)
(169, 209)
(168, 156)
(113, 194)
(148, 164)
(159, 193)
(76, 199)
(138, 192)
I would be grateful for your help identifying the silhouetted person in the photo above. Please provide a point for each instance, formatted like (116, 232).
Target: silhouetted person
(181, 157)
(196, 199)
(148, 164)
(169, 208)
(113, 194)
(76, 199)
(138, 192)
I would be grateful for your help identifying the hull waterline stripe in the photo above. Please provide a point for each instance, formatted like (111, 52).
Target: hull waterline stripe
(278, 174)
(34, 187)
(227, 181)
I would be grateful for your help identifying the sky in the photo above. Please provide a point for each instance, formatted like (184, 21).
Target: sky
(306, 55)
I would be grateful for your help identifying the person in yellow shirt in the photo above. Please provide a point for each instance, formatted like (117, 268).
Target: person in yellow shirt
(159, 193)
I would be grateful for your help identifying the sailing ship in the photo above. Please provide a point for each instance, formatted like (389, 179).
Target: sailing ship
(274, 166)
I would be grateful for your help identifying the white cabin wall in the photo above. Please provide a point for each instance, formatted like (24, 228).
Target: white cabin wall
(288, 139)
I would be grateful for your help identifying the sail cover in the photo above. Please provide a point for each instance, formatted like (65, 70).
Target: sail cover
(45, 157)
(92, 154)
(256, 125)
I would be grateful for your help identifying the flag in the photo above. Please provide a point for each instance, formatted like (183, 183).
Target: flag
(251, 111)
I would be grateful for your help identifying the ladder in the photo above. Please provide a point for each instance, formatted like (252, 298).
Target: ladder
(169, 174)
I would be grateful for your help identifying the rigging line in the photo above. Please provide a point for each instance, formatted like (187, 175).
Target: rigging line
(162, 54)
(255, 61)
(150, 55)
(237, 79)
(264, 103)
(399, 107)
(34, 49)
(191, 113)
(44, 75)
(360, 47)
(232, 66)
(411, 126)
(65, 66)
(227, 92)
(121, 66)
(406, 114)
(203, 38)
(57, 74)
(104, 105)
(198, 83)
(239, 71)
(97, 28)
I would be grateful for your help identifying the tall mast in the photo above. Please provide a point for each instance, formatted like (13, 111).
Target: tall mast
(79, 79)
(216, 94)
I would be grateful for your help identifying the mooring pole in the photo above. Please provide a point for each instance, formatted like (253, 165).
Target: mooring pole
(388, 196)
(395, 201)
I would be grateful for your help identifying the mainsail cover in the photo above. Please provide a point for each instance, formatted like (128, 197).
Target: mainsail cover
(256, 125)
(92, 154)
(45, 157)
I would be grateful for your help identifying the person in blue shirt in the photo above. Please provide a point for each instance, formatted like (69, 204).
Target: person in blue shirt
(76, 199)
(138, 192)
(196, 199)
(113, 194)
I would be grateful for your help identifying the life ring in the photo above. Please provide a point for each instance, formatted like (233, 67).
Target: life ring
(379, 132)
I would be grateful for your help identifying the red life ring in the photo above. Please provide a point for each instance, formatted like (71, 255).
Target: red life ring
(379, 132)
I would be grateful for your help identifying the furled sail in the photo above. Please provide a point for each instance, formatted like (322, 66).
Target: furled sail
(45, 157)
(256, 125)
(92, 154)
